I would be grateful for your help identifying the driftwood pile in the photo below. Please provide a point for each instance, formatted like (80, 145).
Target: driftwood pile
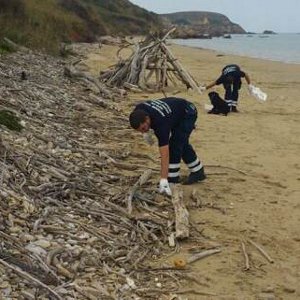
(151, 67)
(66, 228)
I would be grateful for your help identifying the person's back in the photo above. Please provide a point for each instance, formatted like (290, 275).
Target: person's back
(230, 74)
(230, 69)
(165, 114)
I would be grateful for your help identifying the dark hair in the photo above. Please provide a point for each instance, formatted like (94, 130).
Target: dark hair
(137, 117)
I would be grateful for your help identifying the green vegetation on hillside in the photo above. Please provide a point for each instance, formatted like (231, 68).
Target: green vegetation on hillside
(8, 119)
(45, 24)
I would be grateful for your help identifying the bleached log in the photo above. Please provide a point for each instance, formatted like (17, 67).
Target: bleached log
(262, 251)
(71, 72)
(246, 257)
(150, 74)
(186, 77)
(132, 87)
(142, 180)
(181, 214)
(168, 33)
(142, 76)
(30, 278)
(203, 254)
(164, 73)
(134, 66)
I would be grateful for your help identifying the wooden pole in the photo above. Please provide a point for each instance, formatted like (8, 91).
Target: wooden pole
(186, 77)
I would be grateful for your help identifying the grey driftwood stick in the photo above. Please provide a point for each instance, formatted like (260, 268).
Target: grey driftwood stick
(181, 214)
(30, 278)
(202, 255)
(246, 257)
(262, 251)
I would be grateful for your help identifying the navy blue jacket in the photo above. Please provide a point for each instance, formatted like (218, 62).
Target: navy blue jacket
(232, 71)
(165, 114)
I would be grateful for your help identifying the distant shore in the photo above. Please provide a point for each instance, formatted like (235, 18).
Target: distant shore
(280, 47)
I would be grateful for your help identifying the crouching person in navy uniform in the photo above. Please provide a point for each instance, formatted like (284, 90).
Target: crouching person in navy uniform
(231, 79)
(172, 120)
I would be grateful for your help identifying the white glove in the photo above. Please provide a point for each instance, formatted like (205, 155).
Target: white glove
(164, 187)
(202, 89)
(250, 88)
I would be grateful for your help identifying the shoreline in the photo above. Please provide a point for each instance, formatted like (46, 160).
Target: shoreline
(239, 55)
(233, 54)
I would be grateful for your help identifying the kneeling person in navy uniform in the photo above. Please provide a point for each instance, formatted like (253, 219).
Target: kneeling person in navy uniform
(172, 120)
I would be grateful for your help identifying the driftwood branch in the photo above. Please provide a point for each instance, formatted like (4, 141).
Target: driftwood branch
(262, 251)
(246, 257)
(181, 214)
(70, 71)
(142, 180)
(30, 278)
(203, 255)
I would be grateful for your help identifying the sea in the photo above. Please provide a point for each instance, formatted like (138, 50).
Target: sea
(284, 47)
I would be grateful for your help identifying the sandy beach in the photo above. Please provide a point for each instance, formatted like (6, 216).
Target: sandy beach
(253, 185)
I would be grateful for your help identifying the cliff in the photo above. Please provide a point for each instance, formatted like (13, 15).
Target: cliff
(198, 24)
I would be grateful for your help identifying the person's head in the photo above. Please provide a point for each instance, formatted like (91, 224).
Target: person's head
(140, 120)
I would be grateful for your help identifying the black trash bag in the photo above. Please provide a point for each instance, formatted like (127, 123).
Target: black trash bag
(219, 105)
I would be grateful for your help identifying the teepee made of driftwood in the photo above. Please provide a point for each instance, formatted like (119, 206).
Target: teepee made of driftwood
(151, 67)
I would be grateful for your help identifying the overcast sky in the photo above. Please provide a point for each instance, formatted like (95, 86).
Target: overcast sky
(252, 15)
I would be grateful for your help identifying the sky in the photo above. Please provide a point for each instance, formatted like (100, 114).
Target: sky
(252, 15)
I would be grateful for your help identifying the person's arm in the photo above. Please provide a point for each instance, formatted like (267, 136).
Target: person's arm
(164, 187)
(247, 78)
(210, 85)
(164, 161)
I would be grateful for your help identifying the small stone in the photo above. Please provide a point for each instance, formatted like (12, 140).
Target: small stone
(80, 106)
(4, 285)
(15, 229)
(72, 242)
(268, 289)
(92, 240)
(36, 249)
(43, 243)
(84, 236)
(27, 237)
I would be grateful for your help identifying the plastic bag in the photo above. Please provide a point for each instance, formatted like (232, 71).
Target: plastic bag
(257, 93)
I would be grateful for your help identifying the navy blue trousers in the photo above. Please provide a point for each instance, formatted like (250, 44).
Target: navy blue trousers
(232, 91)
(180, 147)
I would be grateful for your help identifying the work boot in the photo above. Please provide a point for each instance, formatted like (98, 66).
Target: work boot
(195, 177)
(213, 111)
(234, 109)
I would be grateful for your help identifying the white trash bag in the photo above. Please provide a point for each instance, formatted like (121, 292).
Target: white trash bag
(257, 93)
